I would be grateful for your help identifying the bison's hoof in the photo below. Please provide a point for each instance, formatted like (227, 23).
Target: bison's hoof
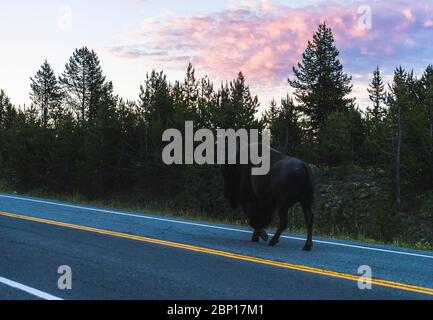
(264, 236)
(273, 242)
(308, 247)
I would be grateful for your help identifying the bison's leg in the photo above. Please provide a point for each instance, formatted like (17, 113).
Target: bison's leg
(264, 235)
(309, 217)
(283, 225)
(255, 237)
(259, 234)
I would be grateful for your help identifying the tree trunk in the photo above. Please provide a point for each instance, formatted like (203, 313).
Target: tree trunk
(45, 111)
(66, 176)
(430, 145)
(398, 160)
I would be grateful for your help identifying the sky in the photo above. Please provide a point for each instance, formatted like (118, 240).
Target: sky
(262, 38)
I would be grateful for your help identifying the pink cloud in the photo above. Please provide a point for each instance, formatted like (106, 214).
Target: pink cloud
(407, 12)
(428, 23)
(265, 41)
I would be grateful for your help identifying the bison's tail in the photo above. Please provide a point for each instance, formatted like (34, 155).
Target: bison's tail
(310, 184)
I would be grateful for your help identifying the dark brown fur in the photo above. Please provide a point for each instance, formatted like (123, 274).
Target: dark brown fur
(288, 182)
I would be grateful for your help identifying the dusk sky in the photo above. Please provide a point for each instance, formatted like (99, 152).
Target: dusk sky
(264, 39)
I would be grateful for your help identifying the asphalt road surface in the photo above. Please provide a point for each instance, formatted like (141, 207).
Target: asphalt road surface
(128, 255)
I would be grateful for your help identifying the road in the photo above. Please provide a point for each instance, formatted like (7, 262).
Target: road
(128, 255)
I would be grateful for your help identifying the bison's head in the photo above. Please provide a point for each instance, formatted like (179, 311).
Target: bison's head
(231, 184)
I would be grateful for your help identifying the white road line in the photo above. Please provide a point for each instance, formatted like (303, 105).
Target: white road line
(30, 290)
(212, 226)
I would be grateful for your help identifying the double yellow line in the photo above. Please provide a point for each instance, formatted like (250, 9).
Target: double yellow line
(378, 282)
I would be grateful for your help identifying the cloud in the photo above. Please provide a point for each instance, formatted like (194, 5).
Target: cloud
(265, 40)
(134, 52)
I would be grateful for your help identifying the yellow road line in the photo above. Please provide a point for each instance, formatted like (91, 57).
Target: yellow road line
(334, 274)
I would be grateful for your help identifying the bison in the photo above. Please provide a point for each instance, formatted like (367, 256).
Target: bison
(288, 182)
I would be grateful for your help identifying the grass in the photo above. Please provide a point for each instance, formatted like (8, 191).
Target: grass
(165, 211)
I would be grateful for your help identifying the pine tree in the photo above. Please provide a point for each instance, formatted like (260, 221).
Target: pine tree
(220, 115)
(409, 127)
(284, 124)
(45, 92)
(244, 102)
(399, 101)
(8, 112)
(157, 112)
(190, 89)
(206, 102)
(271, 115)
(427, 87)
(84, 84)
(68, 150)
(292, 129)
(376, 127)
(243, 105)
(185, 98)
(376, 92)
(321, 86)
(235, 107)
(342, 137)
(156, 100)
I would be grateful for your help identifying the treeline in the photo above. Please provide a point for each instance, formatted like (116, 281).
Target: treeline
(78, 137)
